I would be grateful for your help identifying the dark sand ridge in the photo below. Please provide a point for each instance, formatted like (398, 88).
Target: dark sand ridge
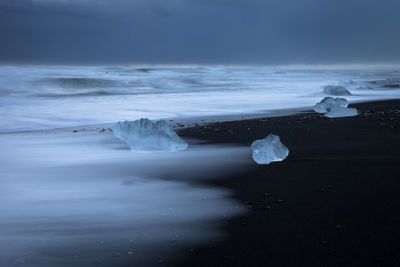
(335, 201)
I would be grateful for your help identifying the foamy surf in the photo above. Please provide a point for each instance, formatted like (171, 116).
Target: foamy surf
(46, 97)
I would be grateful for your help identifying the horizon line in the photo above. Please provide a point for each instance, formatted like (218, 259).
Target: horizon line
(316, 66)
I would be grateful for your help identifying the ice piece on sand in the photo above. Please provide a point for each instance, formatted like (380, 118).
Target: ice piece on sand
(269, 149)
(336, 90)
(335, 108)
(338, 112)
(328, 103)
(145, 134)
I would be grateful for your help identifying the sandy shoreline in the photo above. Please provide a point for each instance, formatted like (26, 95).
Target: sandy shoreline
(194, 121)
(333, 202)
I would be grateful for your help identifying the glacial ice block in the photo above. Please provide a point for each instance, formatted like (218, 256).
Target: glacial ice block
(145, 134)
(328, 103)
(269, 149)
(335, 108)
(339, 112)
(336, 90)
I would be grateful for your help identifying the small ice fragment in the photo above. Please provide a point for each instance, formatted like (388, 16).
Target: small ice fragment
(335, 108)
(269, 149)
(145, 134)
(336, 90)
(338, 112)
(328, 103)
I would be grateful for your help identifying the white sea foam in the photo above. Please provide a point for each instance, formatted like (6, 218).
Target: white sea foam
(49, 97)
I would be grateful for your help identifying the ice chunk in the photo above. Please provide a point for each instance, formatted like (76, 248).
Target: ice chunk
(269, 149)
(145, 134)
(336, 90)
(338, 112)
(335, 108)
(328, 103)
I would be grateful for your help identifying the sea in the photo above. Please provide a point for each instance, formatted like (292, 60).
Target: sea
(47, 97)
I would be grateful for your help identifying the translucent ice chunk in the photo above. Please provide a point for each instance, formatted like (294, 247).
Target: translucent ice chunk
(328, 103)
(336, 90)
(269, 149)
(335, 108)
(145, 134)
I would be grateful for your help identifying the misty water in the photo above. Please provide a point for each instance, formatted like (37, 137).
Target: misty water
(83, 197)
(69, 198)
(44, 97)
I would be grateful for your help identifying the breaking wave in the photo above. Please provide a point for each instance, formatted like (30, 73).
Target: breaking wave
(91, 93)
(77, 82)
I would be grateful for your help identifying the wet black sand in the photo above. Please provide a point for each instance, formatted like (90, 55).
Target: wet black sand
(335, 201)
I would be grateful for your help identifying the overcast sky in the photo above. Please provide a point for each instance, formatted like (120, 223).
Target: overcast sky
(200, 31)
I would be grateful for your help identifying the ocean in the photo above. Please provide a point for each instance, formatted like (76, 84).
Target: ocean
(47, 97)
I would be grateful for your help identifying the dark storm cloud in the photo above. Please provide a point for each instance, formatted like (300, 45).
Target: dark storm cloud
(200, 31)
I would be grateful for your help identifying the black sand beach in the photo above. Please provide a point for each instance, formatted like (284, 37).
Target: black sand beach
(333, 202)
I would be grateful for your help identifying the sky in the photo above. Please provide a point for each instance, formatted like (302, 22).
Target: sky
(200, 31)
